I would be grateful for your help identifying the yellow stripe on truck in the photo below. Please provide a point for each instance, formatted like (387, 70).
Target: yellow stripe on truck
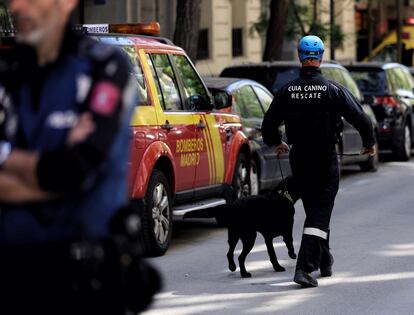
(210, 160)
(217, 147)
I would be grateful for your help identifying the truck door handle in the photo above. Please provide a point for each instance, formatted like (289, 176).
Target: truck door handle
(167, 126)
(201, 125)
(228, 133)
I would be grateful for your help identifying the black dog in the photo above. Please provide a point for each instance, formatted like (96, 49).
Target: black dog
(270, 214)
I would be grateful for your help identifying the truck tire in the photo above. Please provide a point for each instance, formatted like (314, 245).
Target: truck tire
(241, 178)
(157, 215)
(254, 179)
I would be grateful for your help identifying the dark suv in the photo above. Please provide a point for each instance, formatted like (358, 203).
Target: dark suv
(276, 74)
(390, 87)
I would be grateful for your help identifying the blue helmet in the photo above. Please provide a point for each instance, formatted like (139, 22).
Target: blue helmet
(310, 46)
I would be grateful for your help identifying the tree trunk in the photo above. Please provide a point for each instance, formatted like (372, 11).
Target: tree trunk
(332, 25)
(315, 10)
(370, 29)
(399, 31)
(276, 30)
(187, 26)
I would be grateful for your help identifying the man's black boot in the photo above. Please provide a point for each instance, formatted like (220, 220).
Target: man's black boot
(305, 279)
(326, 266)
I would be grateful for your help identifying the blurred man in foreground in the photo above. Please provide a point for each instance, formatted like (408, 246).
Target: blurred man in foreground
(66, 102)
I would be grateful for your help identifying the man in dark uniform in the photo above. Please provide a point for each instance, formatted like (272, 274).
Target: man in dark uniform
(66, 103)
(311, 107)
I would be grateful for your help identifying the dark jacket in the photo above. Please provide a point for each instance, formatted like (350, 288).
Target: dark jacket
(91, 175)
(311, 107)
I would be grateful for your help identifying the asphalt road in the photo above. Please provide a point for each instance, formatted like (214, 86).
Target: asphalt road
(372, 240)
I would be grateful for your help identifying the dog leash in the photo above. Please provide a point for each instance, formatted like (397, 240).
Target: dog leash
(348, 154)
(281, 172)
(286, 192)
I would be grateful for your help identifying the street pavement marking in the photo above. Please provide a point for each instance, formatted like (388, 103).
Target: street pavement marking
(346, 278)
(398, 250)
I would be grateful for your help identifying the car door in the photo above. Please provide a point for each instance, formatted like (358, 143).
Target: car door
(349, 134)
(353, 138)
(405, 91)
(209, 133)
(409, 81)
(270, 165)
(177, 127)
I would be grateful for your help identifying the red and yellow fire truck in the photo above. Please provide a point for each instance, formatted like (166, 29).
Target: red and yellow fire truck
(185, 155)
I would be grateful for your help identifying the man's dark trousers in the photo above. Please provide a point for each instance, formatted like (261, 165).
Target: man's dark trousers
(317, 173)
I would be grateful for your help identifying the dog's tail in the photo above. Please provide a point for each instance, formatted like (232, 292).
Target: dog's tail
(214, 212)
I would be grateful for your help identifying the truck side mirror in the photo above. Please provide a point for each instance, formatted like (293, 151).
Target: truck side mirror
(222, 99)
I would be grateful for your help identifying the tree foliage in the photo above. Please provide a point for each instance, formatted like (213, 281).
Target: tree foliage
(302, 20)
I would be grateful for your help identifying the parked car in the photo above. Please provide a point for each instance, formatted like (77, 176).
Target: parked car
(184, 155)
(250, 100)
(274, 75)
(411, 69)
(390, 86)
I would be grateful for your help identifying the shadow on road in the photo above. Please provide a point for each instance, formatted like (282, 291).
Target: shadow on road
(192, 230)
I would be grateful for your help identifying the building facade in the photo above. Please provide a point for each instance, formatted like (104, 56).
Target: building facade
(225, 36)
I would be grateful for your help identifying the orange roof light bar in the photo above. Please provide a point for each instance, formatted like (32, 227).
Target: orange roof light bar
(152, 28)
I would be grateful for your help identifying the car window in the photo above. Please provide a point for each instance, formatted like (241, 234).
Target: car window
(138, 75)
(398, 80)
(334, 74)
(370, 81)
(167, 81)
(193, 87)
(392, 80)
(351, 85)
(247, 103)
(284, 76)
(409, 79)
(157, 83)
(402, 79)
(264, 97)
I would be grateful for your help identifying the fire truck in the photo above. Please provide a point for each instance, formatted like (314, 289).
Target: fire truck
(185, 154)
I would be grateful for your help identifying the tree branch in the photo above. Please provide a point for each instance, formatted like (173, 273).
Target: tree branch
(297, 17)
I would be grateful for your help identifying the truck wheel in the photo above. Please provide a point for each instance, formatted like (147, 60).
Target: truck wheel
(157, 215)
(370, 165)
(241, 180)
(254, 179)
(403, 152)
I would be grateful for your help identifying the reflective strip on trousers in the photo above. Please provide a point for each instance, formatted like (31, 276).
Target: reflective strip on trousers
(315, 232)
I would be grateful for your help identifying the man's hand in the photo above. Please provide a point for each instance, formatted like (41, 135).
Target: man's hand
(282, 148)
(15, 191)
(82, 130)
(371, 151)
